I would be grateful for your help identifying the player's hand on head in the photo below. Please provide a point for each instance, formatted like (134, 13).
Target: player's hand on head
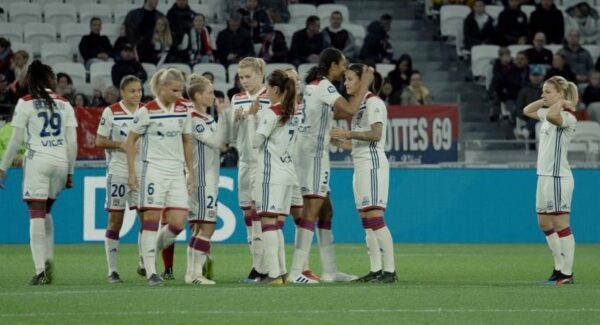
(69, 181)
(367, 76)
(568, 105)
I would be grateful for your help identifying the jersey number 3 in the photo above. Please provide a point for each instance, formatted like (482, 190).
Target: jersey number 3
(53, 122)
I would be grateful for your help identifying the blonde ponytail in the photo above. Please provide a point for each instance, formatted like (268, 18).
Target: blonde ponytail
(257, 64)
(567, 88)
(196, 84)
(163, 77)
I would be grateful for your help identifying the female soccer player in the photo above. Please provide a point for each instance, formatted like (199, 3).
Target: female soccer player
(275, 176)
(555, 180)
(209, 136)
(251, 73)
(112, 134)
(371, 173)
(321, 100)
(49, 123)
(164, 126)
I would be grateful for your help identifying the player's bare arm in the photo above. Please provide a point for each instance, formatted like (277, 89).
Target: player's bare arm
(189, 160)
(374, 134)
(531, 109)
(105, 143)
(131, 153)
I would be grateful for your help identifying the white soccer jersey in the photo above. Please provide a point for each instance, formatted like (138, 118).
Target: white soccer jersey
(209, 138)
(294, 124)
(45, 128)
(313, 136)
(372, 110)
(114, 125)
(275, 165)
(242, 101)
(554, 144)
(161, 129)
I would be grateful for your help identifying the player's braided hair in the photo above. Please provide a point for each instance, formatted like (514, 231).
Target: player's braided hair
(376, 85)
(287, 87)
(328, 57)
(40, 77)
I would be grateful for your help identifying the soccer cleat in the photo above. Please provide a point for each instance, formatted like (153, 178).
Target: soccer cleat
(114, 278)
(168, 274)
(368, 278)
(564, 279)
(155, 280)
(553, 277)
(338, 277)
(273, 281)
(311, 275)
(253, 277)
(201, 280)
(385, 277)
(207, 268)
(300, 279)
(49, 270)
(40, 279)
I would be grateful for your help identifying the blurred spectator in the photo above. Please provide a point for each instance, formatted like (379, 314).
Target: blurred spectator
(81, 100)
(237, 87)
(139, 23)
(416, 93)
(538, 54)
(398, 79)
(478, 27)
(591, 93)
(273, 49)
(578, 58)
(234, 42)
(583, 18)
(156, 49)
(95, 47)
(7, 97)
(437, 4)
(120, 42)
(501, 66)
(509, 84)
(336, 36)
(197, 42)
(512, 24)
(549, 20)
(277, 10)
(307, 43)
(6, 55)
(208, 75)
(376, 47)
(18, 72)
(253, 18)
(530, 92)
(560, 67)
(181, 17)
(127, 65)
(64, 86)
(111, 95)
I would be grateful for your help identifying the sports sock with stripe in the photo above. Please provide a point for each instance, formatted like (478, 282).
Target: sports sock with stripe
(372, 247)
(567, 248)
(271, 250)
(554, 245)
(386, 244)
(149, 234)
(111, 246)
(37, 238)
(326, 248)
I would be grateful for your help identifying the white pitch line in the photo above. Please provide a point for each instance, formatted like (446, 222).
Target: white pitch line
(303, 311)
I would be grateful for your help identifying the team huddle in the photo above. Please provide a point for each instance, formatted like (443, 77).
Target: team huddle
(163, 159)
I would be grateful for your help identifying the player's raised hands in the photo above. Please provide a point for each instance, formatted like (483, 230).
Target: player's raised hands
(220, 105)
(238, 114)
(367, 76)
(568, 105)
(254, 107)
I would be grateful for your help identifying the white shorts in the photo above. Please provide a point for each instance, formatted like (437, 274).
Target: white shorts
(273, 199)
(313, 175)
(553, 195)
(159, 191)
(118, 194)
(297, 201)
(203, 204)
(371, 188)
(246, 176)
(42, 180)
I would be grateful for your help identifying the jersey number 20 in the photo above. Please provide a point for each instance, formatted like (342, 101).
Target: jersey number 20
(53, 122)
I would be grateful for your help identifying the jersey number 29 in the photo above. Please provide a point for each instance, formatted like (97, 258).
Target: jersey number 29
(52, 121)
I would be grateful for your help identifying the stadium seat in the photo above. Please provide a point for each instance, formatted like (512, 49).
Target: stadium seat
(111, 31)
(179, 66)
(121, 10)
(554, 48)
(594, 50)
(217, 69)
(101, 70)
(594, 110)
(150, 69)
(38, 33)
(222, 86)
(45, 2)
(71, 33)
(299, 12)
(450, 17)
(12, 31)
(325, 11)
(209, 11)
(287, 30)
(75, 70)
(114, 3)
(89, 10)
(494, 11)
(586, 138)
(358, 31)
(459, 44)
(384, 68)
(232, 70)
(86, 89)
(527, 9)
(481, 56)
(78, 3)
(274, 66)
(146, 88)
(164, 6)
(16, 46)
(23, 12)
(303, 69)
(55, 53)
(59, 13)
(516, 48)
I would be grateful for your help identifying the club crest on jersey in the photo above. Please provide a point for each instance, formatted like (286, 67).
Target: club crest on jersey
(199, 128)
(549, 205)
(136, 120)
(102, 121)
(331, 89)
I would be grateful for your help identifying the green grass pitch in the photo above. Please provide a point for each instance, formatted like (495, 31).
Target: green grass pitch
(442, 283)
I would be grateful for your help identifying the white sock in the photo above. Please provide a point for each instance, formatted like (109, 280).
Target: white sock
(166, 236)
(281, 251)
(189, 271)
(305, 266)
(111, 246)
(200, 251)
(149, 236)
(567, 247)
(373, 250)
(271, 249)
(384, 238)
(257, 247)
(554, 245)
(140, 250)
(37, 242)
(49, 237)
(327, 250)
(303, 244)
(248, 222)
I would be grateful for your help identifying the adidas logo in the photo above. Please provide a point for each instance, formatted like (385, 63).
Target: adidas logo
(160, 124)
(114, 250)
(152, 251)
(301, 279)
